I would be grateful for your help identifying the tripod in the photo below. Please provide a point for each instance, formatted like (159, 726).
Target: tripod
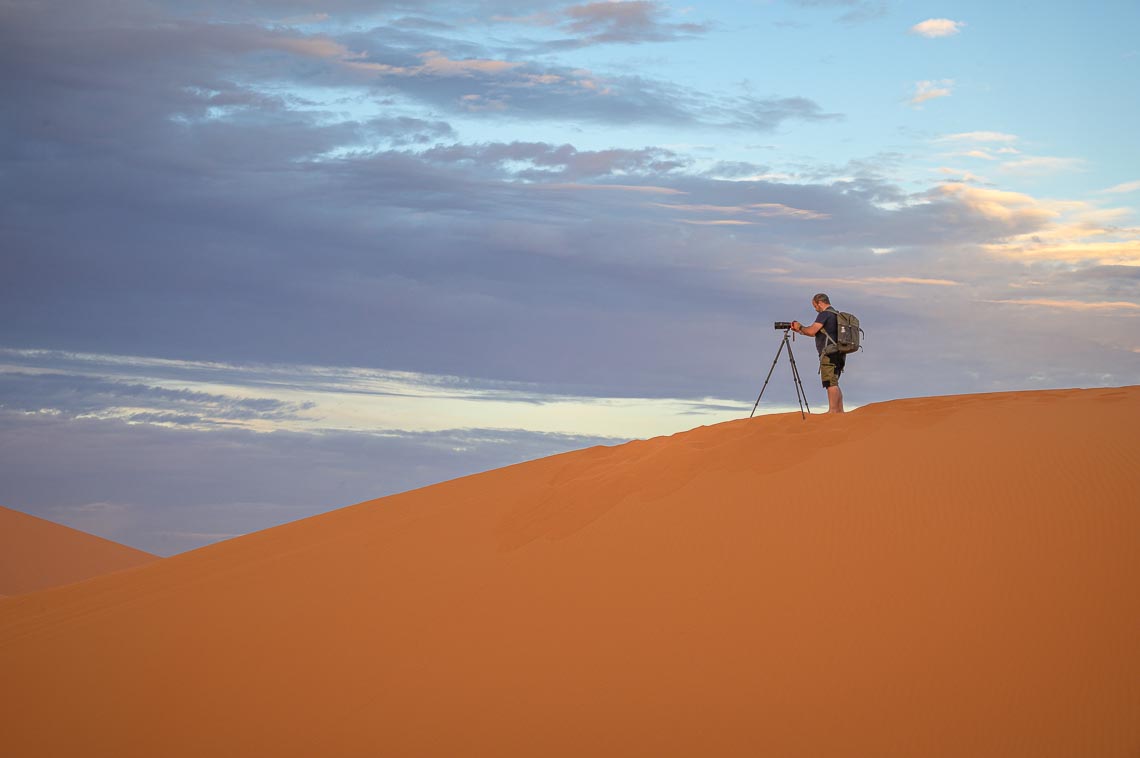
(801, 396)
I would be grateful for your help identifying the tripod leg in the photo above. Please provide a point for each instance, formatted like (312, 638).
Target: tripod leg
(778, 351)
(799, 384)
(799, 389)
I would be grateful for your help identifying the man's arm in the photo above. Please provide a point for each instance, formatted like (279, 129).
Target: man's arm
(807, 331)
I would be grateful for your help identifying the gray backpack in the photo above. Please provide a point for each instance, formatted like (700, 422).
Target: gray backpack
(849, 334)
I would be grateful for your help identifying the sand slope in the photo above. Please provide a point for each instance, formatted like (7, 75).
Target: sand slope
(36, 554)
(973, 590)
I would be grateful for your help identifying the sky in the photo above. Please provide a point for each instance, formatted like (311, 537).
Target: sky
(263, 259)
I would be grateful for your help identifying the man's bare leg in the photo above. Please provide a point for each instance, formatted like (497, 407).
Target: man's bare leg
(834, 399)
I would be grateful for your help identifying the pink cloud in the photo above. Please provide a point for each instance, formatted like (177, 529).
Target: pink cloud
(438, 64)
(931, 89)
(937, 27)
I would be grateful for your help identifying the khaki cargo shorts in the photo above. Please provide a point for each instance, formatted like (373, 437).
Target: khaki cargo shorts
(830, 367)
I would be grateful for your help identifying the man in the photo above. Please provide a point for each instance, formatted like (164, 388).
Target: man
(830, 366)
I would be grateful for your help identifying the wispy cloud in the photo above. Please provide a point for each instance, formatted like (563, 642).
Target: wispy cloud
(864, 12)
(435, 63)
(961, 175)
(937, 27)
(980, 154)
(636, 188)
(542, 161)
(717, 222)
(768, 210)
(874, 283)
(930, 90)
(615, 21)
(1124, 188)
(981, 136)
(858, 11)
(999, 147)
(305, 398)
(912, 280)
(1111, 253)
(1073, 305)
(1043, 164)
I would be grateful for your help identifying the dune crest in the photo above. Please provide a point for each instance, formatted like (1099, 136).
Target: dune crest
(36, 554)
(971, 589)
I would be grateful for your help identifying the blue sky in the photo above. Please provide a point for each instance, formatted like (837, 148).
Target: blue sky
(265, 259)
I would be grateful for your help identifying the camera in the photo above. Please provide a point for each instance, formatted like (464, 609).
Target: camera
(783, 325)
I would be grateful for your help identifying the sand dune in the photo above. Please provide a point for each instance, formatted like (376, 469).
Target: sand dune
(971, 588)
(37, 554)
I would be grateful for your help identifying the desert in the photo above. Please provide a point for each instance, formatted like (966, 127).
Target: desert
(36, 554)
(938, 576)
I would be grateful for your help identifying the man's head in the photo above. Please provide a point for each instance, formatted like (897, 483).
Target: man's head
(820, 302)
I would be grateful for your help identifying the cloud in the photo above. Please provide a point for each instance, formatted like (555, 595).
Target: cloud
(912, 280)
(1074, 234)
(1043, 164)
(610, 21)
(764, 210)
(305, 19)
(31, 389)
(1112, 253)
(859, 11)
(255, 226)
(937, 27)
(643, 189)
(560, 163)
(539, 90)
(1123, 188)
(980, 154)
(195, 79)
(434, 63)
(1073, 305)
(980, 137)
(478, 260)
(931, 89)
(864, 12)
(874, 284)
(300, 398)
(309, 46)
(717, 222)
(998, 146)
(1013, 210)
(763, 114)
(961, 175)
(632, 21)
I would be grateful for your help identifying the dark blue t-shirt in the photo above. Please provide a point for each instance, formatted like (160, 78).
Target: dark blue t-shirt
(831, 325)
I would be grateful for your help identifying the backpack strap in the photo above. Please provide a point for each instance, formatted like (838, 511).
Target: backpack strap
(827, 337)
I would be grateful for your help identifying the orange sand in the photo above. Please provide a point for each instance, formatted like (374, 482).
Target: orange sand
(973, 590)
(37, 554)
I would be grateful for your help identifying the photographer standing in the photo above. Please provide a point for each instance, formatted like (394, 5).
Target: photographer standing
(831, 365)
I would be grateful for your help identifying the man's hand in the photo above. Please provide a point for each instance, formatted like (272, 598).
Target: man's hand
(807, 331)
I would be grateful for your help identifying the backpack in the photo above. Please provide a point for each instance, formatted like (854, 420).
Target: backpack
(848, 331)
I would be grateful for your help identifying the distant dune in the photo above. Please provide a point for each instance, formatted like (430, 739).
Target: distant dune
(37, 554)
(952, 576)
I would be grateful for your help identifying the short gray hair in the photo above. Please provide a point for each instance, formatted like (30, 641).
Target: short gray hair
(821, 298)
